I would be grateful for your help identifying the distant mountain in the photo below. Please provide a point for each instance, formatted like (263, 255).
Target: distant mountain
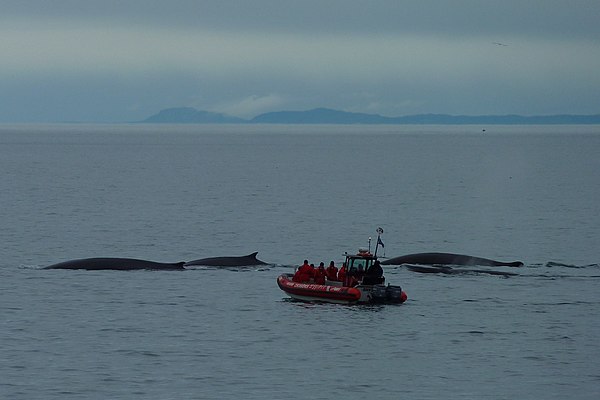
(188, 115)
(328, 116)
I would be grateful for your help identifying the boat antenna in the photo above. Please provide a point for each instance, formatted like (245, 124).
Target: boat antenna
(379, 242)
(369, 244)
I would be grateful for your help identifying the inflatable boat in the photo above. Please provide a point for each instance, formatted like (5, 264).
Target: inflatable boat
(361, 291)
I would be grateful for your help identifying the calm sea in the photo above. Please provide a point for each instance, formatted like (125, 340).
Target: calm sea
(174, 193)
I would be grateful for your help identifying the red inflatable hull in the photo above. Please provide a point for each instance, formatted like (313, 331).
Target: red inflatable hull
(318, 292)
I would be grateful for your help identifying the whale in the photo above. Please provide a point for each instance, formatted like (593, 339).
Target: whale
(444, 269)
(448, 259)
(120, 264)
(231, 261)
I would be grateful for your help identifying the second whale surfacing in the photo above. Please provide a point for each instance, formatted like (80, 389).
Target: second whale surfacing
(448, 259)
(120, 264)
(444, 269)
(232, 261)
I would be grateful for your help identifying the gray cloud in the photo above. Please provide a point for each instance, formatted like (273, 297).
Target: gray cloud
(242, 57)
(578, 18)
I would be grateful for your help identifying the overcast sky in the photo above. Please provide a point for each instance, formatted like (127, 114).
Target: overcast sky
(119, 60)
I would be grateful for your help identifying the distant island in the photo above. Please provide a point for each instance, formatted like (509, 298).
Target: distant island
(188, 115)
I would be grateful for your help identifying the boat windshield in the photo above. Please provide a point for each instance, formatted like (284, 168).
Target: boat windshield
(361, 264)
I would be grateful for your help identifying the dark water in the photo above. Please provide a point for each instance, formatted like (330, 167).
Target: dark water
(173, 193)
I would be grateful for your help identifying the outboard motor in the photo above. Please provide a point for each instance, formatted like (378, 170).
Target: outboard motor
(379, 294)
(394, 293)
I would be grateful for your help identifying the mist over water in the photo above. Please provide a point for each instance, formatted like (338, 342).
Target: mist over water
(177, 193)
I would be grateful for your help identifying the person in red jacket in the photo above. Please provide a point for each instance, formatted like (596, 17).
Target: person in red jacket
(331, 272)
(296, 277)
(320, 274)
(351, 277)
(304, 273)
(342, 273)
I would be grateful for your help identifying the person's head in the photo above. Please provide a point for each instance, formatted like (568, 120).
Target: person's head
(321, 265)
(332, 264)
(305, 261)
(312, 265)
(377, 262)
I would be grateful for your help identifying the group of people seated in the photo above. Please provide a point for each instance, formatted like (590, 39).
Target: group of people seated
(307, 273)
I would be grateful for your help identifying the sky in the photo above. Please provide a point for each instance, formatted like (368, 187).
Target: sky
(120, 60)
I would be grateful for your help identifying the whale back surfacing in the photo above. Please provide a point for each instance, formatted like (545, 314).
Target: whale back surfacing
(448, 259)
(239, 261)
(120, 264)
(444, 269)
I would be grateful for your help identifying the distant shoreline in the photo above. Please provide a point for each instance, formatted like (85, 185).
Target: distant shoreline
(324, 116)
(187, 115)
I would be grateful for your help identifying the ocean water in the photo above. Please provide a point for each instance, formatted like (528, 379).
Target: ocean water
(173, 193)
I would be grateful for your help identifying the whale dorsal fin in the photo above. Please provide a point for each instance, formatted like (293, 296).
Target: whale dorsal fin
(253, 255)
